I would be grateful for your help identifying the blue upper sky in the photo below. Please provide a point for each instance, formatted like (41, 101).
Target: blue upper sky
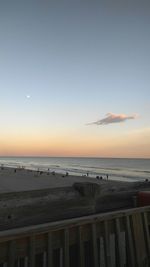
(77, 61)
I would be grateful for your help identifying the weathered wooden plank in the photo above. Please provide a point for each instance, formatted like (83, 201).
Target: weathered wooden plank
(32, 251)
(120, 257)
(99, 250)
(66, 247)
(26, 262)
(3, 252)
(139, 242)
(11, 253)
(49, 250)
(146, 235)
(39, 260)
(45, 264)
(81, 248)
(20, 262)
(129, 242)
(107, 245)
(94, 245)
(113, 249)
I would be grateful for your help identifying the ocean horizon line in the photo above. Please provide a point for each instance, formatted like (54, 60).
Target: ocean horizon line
(78, 157)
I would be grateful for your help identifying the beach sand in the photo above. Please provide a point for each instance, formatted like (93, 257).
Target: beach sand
(30, 197)
(16, 180)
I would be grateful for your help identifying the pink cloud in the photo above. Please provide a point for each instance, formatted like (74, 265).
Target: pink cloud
(114, 118)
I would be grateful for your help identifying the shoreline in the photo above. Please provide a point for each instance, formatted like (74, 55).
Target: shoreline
(21, 179)
(117, 169)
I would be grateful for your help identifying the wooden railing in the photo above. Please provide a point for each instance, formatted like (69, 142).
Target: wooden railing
(114, 239)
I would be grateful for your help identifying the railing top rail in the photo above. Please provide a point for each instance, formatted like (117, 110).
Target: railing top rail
(10, 234)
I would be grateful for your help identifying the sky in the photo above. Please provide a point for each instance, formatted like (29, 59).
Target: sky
(75, 78)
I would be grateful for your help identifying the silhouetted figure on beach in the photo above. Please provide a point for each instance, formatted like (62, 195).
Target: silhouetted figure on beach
(107, 176)
(2, 167)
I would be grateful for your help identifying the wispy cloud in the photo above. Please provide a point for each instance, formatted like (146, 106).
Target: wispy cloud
(113, 118)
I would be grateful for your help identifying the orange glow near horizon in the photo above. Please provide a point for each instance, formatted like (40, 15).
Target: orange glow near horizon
(127, 145)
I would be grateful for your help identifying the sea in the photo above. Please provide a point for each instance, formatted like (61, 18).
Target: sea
(122, 169)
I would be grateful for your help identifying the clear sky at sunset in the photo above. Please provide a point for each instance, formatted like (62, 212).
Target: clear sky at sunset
(75, 78)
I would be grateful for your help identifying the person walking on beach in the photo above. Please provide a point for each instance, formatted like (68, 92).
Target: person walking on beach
(107, 176)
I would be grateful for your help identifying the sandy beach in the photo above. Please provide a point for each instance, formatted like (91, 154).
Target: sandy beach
(31, 197)
(16, 180)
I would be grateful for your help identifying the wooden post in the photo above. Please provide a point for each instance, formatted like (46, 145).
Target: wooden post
(81, 248)
(32, 251)
(146, 234)
(26, 262)
(106, 245)
(11, 253)
(66, 248)
(139, 242)
(49, 250)
(119, 258)
(44, 259)
(94, 246)
(129, 242)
